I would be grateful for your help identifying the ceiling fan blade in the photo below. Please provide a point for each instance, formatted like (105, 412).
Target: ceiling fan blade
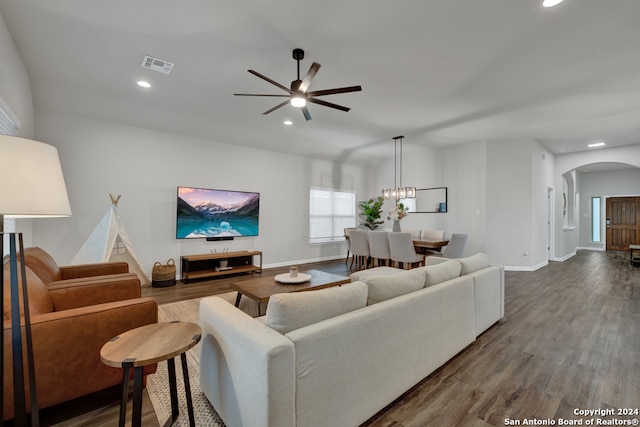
(282, 104)
(257, 74)
(305, 112)
(307, 79)
(334, 91)
(328, 104)
(259, 94)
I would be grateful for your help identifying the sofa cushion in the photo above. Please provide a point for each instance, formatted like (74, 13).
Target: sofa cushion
(390, 286)
(287, 312)
(442, 272)
(474, 263)
(376, 271)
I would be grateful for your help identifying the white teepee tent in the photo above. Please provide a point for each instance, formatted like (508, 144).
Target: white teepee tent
(110, 242)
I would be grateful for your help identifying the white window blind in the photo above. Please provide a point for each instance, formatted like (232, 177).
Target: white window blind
(330, 212)
(7, 126)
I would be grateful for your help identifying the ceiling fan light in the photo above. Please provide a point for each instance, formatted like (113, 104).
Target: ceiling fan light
(298, 101)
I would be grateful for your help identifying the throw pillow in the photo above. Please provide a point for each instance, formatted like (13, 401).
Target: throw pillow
(442, 272)
(287, 312)
(386, 287)
(474, 263)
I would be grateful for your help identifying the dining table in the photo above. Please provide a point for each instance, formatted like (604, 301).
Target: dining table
(421, 245)
(429, 244)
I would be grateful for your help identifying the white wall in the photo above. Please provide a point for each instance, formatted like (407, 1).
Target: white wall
(146, 166)
(464, 168)
(15, 89)
(519, 174)
(509, 192)
(603, 184)
(543, 166)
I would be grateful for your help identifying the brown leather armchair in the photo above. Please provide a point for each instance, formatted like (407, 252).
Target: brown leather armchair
(43, 264)
(70, 322)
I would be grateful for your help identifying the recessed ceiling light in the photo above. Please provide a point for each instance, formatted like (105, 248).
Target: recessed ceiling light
(551, 3)
(596, 144)
(288, 122)
(144, 84)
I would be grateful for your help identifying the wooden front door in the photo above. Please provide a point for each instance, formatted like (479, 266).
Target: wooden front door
(623, 222)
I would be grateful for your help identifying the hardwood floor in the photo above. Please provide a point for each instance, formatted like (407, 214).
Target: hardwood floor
(569, 340)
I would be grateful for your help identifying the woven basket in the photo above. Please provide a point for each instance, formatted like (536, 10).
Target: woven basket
(163, 275)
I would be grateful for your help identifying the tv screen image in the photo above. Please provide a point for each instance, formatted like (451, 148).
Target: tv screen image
(205, 212)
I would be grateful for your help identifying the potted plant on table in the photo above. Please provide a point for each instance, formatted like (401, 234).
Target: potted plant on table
(370, 215)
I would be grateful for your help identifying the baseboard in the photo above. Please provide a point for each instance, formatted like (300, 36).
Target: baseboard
(542, 264)
(305, 261)
(526, 268)
(591, 248)
(566, 257)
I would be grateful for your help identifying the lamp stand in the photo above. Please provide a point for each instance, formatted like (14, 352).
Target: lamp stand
(19, 394)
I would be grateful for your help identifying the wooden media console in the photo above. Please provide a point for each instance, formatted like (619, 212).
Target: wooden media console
(208, 265)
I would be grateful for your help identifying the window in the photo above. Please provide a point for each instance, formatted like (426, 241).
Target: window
(330, 212)
(7, 127)
(595, 220)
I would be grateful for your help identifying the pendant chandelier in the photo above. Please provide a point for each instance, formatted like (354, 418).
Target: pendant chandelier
(398, 192)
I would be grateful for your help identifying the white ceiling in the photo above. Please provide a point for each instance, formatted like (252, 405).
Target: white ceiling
(437, 71)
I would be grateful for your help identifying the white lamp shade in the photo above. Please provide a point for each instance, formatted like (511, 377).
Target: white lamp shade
(31, 180)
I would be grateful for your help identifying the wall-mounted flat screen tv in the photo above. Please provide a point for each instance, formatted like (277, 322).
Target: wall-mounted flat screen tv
(209, 213)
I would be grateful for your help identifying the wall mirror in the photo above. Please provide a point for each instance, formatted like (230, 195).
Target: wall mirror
(428, 200)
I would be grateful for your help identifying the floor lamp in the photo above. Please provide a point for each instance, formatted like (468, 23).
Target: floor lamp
(31, 186)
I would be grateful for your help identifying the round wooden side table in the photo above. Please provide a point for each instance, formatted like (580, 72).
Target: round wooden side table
(147, 345)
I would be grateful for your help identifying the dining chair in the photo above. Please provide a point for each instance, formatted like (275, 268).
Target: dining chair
(415, 234)
(403, 251)
(359, 248)
(455, 248)
(346, 236)
(379, 247)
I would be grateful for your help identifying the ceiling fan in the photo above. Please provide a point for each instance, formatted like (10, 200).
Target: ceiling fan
(299, 94)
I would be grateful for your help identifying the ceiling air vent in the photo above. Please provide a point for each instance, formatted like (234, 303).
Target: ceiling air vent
(156, 64)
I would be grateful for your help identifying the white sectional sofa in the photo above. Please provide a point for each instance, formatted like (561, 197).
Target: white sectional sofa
(337, 356)
(488, 285)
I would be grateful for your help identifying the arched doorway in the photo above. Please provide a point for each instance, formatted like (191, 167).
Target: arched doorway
(615, 189)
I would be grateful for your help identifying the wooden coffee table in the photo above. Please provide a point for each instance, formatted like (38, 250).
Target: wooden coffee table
(260, 289)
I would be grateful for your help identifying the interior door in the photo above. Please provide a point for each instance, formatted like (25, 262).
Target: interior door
(623, 222)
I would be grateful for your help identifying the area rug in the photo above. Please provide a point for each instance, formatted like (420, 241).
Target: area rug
(158, 383)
